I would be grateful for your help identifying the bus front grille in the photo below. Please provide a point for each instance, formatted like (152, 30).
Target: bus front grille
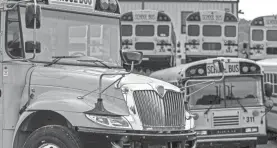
(160, 112)
(226, 120)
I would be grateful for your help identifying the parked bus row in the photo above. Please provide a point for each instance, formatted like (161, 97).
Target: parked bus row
(209, 33)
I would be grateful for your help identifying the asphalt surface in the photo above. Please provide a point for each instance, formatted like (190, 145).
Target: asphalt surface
(270, 144)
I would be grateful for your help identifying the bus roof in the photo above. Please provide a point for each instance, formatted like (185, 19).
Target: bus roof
(145, 15)
(176, 73)
(212, 15)
(85, 6)
(268, 62)
(268, 20)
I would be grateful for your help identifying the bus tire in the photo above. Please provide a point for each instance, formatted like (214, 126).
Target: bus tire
(55, 136)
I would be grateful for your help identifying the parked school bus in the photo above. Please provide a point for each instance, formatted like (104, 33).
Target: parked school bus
(55, 93)
(209, 34)
(230, 106)
(263, 38)
(270, 76)
(152, 33)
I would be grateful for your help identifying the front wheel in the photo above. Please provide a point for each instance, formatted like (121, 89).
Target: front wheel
(53, 136)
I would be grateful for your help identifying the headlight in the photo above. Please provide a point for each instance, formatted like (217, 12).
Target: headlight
(201, 133)
(116, 122)
(251, 130)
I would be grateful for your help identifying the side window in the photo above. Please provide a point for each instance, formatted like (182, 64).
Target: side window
(14, 46)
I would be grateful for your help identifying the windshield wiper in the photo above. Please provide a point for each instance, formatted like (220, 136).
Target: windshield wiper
(95, 61)
(58, 58)
(217, 94)
(232, 97)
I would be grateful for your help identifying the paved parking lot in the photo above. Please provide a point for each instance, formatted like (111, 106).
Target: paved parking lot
(271, 144)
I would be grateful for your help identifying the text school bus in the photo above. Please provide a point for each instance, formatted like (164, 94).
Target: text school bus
(52, 97)
(210, 33)
(270, 76)
(229, 107)
(263, 38)
(152, 33)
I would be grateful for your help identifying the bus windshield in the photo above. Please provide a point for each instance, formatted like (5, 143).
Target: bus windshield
(71, 33)
(238, 90)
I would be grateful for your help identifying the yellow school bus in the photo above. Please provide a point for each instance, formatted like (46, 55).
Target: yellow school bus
(229, 106)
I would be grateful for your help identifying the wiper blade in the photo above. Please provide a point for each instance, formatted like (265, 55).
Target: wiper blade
(95, 61)
(244, 109)
(206, 112)
(58, 58)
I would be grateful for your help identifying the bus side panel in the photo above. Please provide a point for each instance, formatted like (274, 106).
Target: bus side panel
(272, 116)
(7, 139)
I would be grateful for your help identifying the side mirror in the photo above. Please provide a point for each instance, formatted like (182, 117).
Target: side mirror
(245, 45)
(268, 89)
(30, 46)
(31, 15)
(219, 65)
(132, 57)
(269, 103)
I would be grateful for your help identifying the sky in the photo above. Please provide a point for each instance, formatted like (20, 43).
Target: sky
(256, 8)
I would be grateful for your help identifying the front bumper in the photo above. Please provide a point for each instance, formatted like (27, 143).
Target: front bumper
(141, 136)
(231, 141)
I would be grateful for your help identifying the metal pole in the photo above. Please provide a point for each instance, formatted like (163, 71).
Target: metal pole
(142, 4)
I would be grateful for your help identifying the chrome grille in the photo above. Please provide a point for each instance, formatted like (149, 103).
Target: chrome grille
(155, 111)
(226, 120)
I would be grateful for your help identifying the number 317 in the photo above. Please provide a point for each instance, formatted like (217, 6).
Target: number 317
(250, 119)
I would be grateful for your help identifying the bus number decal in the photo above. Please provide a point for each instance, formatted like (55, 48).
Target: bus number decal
(250, 119)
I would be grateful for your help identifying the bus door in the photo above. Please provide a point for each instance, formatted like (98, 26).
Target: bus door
(145, 31)
(145, 38)
(212, 39)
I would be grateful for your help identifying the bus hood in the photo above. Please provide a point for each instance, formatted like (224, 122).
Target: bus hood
(83, 80)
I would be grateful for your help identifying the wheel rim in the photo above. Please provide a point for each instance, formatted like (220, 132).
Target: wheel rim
(48, 145)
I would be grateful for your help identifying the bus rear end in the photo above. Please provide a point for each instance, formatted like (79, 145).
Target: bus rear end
(229, 109)
(263, 38)
(211, 34)
(152, 33)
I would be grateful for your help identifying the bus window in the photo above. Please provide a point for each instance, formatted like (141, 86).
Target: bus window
(145, 30)
(230, 31)
(127, 30)
(212, 30)
(271, 35)
(193, 30)
(14, 41)
(257, 35)
(163, 30)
